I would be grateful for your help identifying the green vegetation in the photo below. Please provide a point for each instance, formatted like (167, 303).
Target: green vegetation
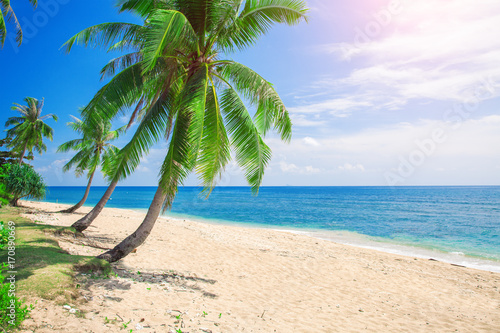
(29, 129)
(5, 196)
(93, 150)
(7, 15)
(13, 311)
(4, 235)
(22, 181)
(43, 269)
(180, 87)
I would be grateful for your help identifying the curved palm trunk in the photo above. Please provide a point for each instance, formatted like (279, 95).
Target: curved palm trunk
(85, 196)
(139, 236)
(23, 153)
(87, 220)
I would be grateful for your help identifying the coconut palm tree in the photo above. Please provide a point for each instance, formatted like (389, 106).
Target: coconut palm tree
(185, 92)
(93, 150)
(7, 15)
(29, 129)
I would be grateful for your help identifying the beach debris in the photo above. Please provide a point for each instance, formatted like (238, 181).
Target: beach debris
(456, 265)
(72, 310)
(361, 310)
(138, 326)
(67, 307)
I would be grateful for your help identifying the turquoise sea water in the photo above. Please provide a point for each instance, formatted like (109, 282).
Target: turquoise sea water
(460, 224)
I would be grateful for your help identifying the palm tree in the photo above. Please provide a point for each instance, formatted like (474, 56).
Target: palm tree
(185, 93)
(29, 129)
(93, 150)
(7, 15)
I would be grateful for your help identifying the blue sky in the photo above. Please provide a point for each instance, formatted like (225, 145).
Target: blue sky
(380, 92)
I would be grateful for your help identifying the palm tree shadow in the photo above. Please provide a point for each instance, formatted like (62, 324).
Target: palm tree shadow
(172, 279)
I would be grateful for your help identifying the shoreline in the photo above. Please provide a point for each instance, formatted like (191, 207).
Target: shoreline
(350, 238)
(222, 278)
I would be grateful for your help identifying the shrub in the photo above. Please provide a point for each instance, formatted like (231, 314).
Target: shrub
(5, 197)
(4, 236)
(13, 311)
(23, 181)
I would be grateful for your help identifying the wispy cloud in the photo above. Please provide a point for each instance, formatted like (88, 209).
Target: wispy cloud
(438, 50)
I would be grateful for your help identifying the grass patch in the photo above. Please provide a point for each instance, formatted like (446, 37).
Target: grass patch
(44, 270)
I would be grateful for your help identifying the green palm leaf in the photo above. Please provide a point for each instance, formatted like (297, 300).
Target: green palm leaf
(167, 31)
(186, 136)
(271, 110)
(104, 35)
(252, 154)
(257, 17)
(215, 146)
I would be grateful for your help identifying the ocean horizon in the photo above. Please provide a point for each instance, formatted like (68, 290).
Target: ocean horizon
(456, 224)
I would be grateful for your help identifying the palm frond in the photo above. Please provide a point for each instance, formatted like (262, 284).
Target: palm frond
(187, 135)
(167, 31)
(3, 28)
(121, 92)
(70, 145)
(144, 7)
(257, 17)
(120, 63)
(215, 146)
(252, 154)
(104, 35)
(149, 131)
(271, 110)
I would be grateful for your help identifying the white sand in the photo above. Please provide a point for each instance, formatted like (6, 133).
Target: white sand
(255, 280)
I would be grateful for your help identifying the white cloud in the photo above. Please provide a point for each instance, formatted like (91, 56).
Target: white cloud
(292, 168)
(285, 167)
(306, 121)
(338, 107)
(311, 141)
(351, 167)
(458, 152)
(310, 169)
(439, 50)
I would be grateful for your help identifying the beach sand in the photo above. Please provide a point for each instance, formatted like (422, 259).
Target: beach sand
(215, 278)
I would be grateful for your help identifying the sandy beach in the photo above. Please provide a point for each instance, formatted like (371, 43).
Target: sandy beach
(201, 277)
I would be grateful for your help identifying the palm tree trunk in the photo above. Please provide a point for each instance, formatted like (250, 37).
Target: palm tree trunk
(22, 155)
(87, 220)
(139, 236)
(85, 196)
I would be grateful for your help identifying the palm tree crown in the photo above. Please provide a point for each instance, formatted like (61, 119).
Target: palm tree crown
(93, 147)
(183, 91)
(29, 128)
(7, 15)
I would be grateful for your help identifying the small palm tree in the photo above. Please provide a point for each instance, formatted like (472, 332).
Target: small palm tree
(185, 92)
(93, 150)
(29, 129)
(7, 15)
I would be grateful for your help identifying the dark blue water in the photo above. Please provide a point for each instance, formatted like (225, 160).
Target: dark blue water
(448, 219)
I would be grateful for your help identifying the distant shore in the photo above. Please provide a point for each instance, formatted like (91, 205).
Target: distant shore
(236, 279)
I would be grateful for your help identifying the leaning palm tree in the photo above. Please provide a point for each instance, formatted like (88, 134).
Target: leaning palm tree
(7, 15)
(93, 150)
(183, 91)
(29, 129)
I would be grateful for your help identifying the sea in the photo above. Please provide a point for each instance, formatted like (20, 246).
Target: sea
(455, 224)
